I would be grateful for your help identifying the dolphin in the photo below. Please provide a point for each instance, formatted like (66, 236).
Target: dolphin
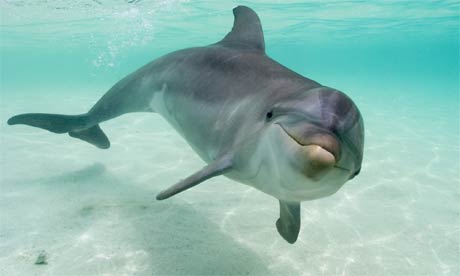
(247, 116)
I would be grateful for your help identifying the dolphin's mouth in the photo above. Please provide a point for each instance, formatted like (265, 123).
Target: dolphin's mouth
(323, 140)
(342, 168)
(323, 143)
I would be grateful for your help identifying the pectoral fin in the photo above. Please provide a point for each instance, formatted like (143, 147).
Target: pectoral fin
(218, 167)
(288, 224)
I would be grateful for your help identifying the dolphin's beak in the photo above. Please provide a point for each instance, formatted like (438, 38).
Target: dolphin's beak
(319, 151)
(318, 161)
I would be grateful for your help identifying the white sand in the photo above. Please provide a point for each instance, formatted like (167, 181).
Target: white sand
(94, 211)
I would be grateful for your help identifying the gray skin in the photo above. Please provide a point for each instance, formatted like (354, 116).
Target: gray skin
(248, 117)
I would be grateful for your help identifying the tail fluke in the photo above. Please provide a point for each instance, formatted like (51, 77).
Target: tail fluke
(93, 135)
(76, 125)
(51, 122)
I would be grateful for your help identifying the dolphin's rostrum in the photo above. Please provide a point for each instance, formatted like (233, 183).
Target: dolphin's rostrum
(250, 118)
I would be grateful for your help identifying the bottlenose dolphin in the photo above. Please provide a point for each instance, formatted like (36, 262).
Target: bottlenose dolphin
(247, 116)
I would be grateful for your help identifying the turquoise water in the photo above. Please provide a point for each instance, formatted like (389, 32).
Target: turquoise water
(93, 212)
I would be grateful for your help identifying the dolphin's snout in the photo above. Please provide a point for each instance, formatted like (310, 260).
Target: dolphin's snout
(326, 142)
(319, 152)
(307, 134)
(320, 157)
(320, 161)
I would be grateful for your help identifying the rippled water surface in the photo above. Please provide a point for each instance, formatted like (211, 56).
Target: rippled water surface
(93, 211)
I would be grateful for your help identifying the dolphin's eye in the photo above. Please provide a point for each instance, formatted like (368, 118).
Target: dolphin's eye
(270, 114)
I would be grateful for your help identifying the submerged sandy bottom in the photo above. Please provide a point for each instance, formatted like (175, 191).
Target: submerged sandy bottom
(94, 211)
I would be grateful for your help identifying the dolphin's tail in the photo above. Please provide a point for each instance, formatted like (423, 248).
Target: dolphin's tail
(78, 126)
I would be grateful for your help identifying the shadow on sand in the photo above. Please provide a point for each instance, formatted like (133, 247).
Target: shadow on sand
(173, 237)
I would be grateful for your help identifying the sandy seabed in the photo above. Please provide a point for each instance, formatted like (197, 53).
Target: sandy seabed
(93, 212)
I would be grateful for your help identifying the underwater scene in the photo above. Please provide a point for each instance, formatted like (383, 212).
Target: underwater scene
(88, 206)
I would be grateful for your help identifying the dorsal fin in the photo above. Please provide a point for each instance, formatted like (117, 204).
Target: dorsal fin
(246, 32)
